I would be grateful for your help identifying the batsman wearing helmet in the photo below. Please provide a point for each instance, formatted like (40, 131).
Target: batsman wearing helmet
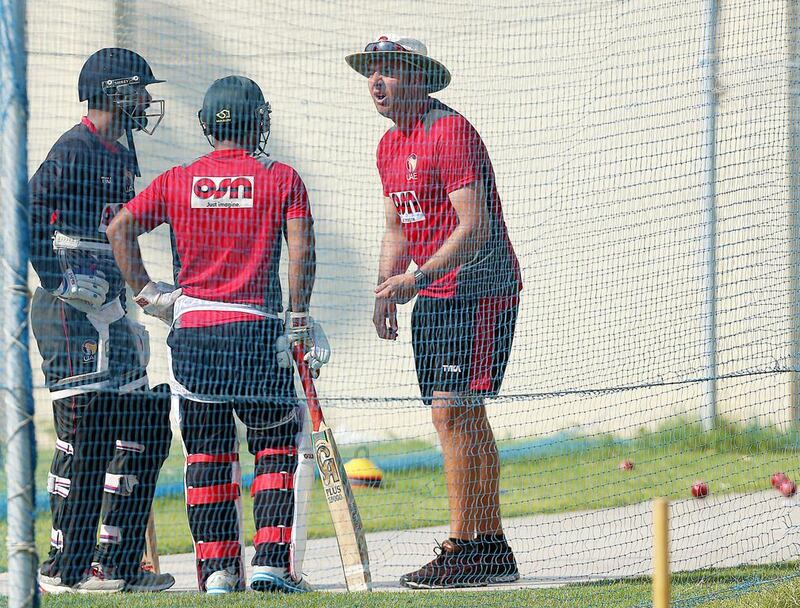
(229, 350)
(443, 211)
(112, 432)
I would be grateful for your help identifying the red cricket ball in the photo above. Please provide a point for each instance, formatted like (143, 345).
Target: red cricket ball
(788, 487)
(626, 465)
(699, 489)
(777, 479)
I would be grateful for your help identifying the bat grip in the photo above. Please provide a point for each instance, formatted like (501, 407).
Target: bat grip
(308, 386)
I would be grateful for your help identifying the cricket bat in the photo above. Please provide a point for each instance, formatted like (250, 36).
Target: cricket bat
(338, 493)
(150, 557)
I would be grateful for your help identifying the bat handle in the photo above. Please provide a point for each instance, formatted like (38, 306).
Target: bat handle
(308, 386)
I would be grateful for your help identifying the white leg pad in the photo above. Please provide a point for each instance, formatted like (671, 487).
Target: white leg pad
(58, 485)
(303, 483)
(111, 535)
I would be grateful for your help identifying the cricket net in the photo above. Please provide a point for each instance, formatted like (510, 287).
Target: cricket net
(649, 190)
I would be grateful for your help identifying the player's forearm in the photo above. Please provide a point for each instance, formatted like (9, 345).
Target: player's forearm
(123, 233)
(302, 263)
(301, 281)
(394, 258)
(461, 247)
(43, 258)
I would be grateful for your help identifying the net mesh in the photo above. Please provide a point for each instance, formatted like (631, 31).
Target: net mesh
(595, 118)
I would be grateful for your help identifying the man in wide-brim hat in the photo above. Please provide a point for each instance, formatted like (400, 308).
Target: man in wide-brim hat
(443, 212)
(407, 50)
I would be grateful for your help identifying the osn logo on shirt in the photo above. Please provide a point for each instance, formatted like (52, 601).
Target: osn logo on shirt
(408, 207)
(222, 192)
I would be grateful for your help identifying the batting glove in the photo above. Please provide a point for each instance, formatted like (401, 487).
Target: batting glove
(300, 328)
(158, 299)
(86, 292)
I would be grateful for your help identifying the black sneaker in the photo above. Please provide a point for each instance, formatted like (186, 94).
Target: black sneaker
(457, 564)
(497, 560)
(51, 567)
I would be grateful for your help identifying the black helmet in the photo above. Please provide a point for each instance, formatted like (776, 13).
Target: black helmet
(234, 109)
(118, 75)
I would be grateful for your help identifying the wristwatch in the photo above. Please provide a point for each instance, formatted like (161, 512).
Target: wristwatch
(421, 280)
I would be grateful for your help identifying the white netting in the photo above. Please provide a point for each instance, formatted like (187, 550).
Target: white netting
(595, 120)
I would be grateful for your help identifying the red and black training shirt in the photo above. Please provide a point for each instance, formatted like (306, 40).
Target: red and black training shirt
(227, 211)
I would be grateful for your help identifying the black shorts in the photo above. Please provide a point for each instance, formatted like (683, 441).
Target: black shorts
(69, 342)
(462, 345)
(235, 362)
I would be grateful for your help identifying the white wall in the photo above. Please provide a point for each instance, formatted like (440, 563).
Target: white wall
(592, 113)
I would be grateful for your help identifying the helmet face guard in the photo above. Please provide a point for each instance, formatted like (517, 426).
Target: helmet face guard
(263, 113)
(126, 95)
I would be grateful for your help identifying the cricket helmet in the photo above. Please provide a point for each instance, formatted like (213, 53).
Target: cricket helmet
(118, 75)
(234, 109)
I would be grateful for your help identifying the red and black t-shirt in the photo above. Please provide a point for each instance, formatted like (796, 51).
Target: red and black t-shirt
(227, 211)
(419, 168)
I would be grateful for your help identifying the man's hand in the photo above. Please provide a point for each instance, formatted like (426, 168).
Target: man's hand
(300, 328)
(158, 299)
(86, 292)
(385, 319)
(398, 289)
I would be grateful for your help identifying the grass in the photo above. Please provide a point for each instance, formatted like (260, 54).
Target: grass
(687, 590)
(732, 459)
(553, 484)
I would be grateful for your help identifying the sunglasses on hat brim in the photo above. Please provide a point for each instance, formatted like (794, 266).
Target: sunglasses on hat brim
(384, 45)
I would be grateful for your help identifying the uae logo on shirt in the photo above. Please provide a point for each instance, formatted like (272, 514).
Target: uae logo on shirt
(411, 167)
(222, 192)
(89, 349)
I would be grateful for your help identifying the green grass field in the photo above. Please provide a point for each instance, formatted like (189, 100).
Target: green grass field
(732, 459)
(695, 589)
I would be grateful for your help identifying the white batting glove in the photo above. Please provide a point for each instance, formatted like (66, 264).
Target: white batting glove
(300, 328)
(319, 351)
(158, 299)
(86, 292)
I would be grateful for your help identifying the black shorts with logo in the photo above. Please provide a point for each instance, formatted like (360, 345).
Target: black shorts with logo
(462, 345)
(235, 362)
(69, 343)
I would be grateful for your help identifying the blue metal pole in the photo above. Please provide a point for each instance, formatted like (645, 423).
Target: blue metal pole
(17, 383)
(793, 15)
(709, 408)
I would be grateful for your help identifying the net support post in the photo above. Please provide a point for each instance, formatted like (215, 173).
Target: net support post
(123, 31)
(661, 575)
(17, 384)
(793, 31)
(708, 413)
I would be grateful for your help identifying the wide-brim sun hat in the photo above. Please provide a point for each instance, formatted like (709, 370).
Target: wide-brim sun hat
(402, 48)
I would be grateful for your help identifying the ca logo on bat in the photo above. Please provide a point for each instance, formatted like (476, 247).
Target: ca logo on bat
(326, 462)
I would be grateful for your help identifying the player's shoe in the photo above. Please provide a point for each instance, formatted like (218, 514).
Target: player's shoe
(222, 581)
(461, 563)
(98, 580)
(145, 580)
(52, 584)
(50, 577)
(497, 561)
(454, 565)
(274, 579)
